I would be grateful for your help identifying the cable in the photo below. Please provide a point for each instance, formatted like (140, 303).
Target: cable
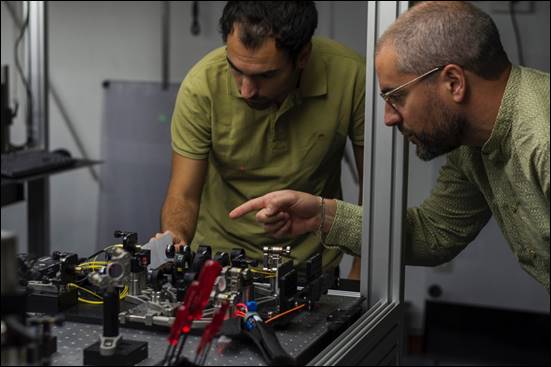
(285, 313)
(96, 254)
(206, 353)
(122, 295)
(177, 351)
(195, 27)
(57, 100)
(136, 298)
(23, 79)
(201, 359)
(93, 263)
(512, 11)
(268, 274)
(85, 290)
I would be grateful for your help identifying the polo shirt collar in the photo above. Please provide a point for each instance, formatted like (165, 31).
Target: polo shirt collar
(230, 83)
(313, 81)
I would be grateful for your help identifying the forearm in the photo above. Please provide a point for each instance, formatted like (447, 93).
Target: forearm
(179, 216)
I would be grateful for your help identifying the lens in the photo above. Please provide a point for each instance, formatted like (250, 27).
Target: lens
(115, 270)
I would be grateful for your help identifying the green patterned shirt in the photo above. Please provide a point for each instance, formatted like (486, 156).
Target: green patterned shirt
(507, 177)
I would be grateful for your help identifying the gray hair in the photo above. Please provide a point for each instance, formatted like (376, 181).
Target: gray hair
(436, 33)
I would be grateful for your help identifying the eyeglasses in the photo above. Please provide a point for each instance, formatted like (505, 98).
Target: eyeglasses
(390, 95)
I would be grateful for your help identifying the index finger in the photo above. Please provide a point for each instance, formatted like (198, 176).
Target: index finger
(247, 207)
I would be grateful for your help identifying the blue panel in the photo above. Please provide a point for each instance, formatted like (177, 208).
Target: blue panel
(137, 154)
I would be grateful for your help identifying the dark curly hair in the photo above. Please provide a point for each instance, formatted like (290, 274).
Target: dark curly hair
(291, 23)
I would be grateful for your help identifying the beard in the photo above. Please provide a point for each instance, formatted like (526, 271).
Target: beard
(446, 134)
(259, 103)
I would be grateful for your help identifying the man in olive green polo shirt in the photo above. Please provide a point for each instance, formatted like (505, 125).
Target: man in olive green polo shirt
(271, 110)
(450, 88)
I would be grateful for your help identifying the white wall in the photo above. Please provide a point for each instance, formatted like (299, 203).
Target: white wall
(486, 273)
(91, 41)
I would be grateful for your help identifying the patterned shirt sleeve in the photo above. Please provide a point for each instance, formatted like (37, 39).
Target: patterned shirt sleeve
(346, 230)
(448, 220)
(436, 232)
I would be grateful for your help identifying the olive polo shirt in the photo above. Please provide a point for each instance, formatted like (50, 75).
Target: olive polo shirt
(250, 152)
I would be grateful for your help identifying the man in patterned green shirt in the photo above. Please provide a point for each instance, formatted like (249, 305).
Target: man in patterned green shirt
(450, 88)
(271, 110)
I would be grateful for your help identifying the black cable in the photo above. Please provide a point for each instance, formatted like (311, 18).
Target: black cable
(179, 347)
(512, 11)
(167, 353)
(22, 76)
(206, 353)
(95, 254)
(195, 27)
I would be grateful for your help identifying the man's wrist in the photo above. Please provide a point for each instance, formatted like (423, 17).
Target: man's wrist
(321, 224)
(330, 210)
(177, 237)
(326, 215)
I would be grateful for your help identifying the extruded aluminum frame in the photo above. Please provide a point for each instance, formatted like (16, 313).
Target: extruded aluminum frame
(376, 338)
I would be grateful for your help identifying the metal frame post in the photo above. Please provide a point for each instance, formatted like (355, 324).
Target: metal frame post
(377, 337)
(38, 204)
